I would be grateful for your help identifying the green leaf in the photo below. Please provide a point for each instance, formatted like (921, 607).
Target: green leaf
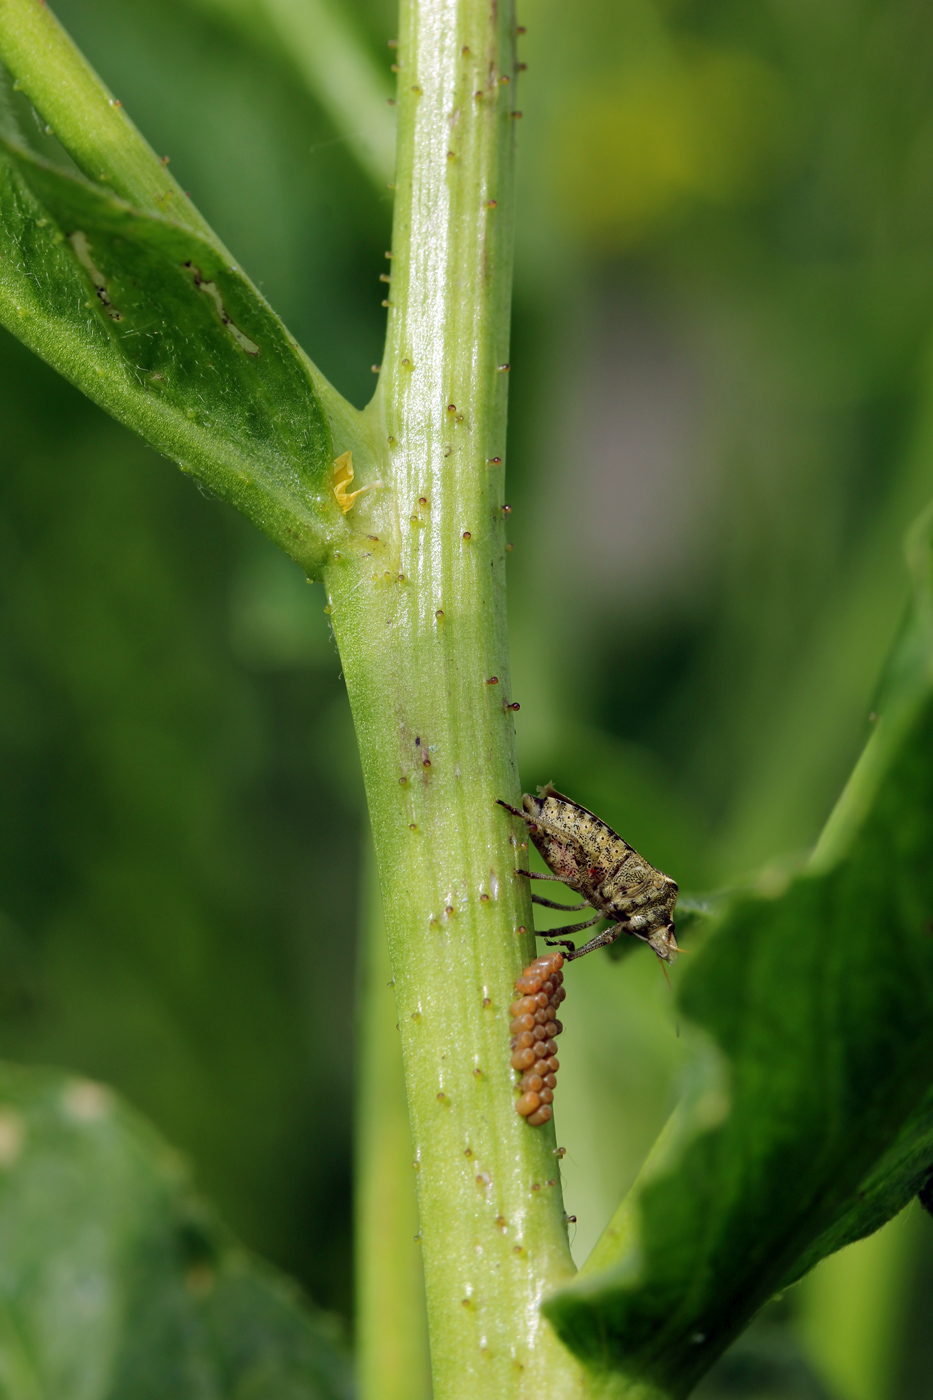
(893, 1182)
(117, 1284)
(811, 1119)
(153, 322)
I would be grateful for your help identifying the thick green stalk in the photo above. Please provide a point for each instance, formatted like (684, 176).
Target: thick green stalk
(418, 608)
(392, 1361)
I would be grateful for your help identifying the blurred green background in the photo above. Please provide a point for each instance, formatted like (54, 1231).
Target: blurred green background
(721, 425)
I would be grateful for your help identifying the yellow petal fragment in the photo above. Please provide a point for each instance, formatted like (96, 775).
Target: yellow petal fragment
(343, 475)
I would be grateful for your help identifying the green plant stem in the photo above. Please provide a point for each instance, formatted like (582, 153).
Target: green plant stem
(419, 614)
(319, 41)
(337, 69)
(392, 1358)
(342, 76)
(416, 586)
(903, 692)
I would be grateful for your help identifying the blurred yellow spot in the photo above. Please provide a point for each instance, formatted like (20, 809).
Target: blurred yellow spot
(86, 1102)
(696, 126)
(200, 1280)
(343, 475)
(12, 1135)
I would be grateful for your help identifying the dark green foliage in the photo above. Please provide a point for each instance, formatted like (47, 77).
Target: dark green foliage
(766, 1363)
(176, 901)
(812, 1125)
(179, 830)
(172, 901)
(117, 1284)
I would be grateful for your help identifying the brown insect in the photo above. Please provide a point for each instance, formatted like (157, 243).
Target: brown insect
(535, 1028)
(585, 854)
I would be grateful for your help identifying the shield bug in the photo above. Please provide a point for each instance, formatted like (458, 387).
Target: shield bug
(585, 854)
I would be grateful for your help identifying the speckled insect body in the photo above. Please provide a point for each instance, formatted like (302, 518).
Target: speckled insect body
(585, 854)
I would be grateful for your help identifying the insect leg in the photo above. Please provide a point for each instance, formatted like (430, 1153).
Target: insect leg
(549, 903)
(553, 940)
(572, 928)
(534, 875)
(602, 940)
(559, 943)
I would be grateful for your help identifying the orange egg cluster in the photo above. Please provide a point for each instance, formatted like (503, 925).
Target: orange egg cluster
(534, 1028)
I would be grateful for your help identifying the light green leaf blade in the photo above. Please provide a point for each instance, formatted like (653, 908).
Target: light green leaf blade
(117, 1284)
(811, 1123)
(154, 323)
